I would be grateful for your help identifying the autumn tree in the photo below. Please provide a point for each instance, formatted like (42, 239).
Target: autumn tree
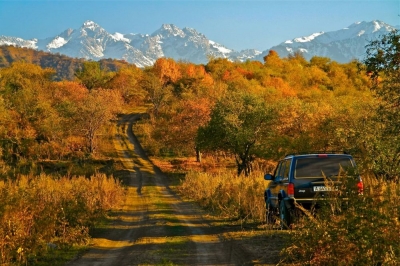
(240, 125)
(158, 82)
(31, 118)
(156, 93)
(127, 81)
(273, 63)
(67, 97)
(193, 82)
(177, 128)
(95, 111)
(166, 70)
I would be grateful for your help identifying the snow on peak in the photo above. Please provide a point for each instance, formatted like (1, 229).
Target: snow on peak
(19, 42)
(377, 25)
(220, 47)
(57, 42)
(172, 29)
(308, 38)
(90, 25)
(120, 37)
(366, 28)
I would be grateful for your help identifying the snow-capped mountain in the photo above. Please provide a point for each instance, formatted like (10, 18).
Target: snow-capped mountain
(93, 42)
(342, 45)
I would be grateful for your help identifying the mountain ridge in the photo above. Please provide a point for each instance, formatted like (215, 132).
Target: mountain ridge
(342, 45)
(93, 42)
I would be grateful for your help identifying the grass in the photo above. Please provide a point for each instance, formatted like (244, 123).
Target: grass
(58, 257)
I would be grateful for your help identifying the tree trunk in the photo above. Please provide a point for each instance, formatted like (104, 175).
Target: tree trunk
(198, 155)
(243, 161)
(91, 141)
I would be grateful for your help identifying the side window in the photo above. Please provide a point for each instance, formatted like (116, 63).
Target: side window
(285, 174)
(279, 170)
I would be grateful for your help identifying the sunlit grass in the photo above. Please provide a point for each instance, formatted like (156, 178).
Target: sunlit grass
(107, 243)
(227, 194)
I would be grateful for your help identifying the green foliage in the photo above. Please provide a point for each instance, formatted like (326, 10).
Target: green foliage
(92, 76)
(238, 124)
(382, 64)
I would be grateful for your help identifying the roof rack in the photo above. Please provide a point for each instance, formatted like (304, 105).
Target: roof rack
(316, 152)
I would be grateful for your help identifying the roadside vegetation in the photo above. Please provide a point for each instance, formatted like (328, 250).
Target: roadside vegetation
(350, 229)
(40, 214)
(57, 170)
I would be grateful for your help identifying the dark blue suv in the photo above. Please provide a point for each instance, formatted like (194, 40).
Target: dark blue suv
(299, 178)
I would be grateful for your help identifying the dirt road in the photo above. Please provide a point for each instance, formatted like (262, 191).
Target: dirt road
(155, 226)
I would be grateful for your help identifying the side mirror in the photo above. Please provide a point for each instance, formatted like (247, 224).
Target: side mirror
(269, 177)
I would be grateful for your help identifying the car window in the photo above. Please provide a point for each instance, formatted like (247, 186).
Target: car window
(320, 166)
(279, 170)
(282, 171)
(287, 169)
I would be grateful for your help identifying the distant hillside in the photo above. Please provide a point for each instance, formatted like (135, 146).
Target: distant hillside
(64, 66)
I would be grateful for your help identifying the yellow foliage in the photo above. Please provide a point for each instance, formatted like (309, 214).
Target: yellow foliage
(37, 210)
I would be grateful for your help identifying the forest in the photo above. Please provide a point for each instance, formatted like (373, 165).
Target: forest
(56, 112)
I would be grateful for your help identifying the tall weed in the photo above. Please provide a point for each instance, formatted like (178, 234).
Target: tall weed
(38, 212)
(350, 229)
(227, 194)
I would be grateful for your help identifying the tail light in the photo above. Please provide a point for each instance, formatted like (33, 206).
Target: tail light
(360, 187)
(290, 190)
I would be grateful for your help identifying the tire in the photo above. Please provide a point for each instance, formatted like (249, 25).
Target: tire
(284, 215)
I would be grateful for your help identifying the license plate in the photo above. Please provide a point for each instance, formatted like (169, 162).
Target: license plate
(324, 188)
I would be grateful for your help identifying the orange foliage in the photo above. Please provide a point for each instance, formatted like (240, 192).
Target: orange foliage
(245, 73)
(167, 70)
(68, 90)
(198, 72)
(281, 86)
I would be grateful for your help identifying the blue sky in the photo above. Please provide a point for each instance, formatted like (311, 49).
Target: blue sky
(236, 24)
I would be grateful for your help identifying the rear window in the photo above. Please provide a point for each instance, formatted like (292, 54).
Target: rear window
(320, 166)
